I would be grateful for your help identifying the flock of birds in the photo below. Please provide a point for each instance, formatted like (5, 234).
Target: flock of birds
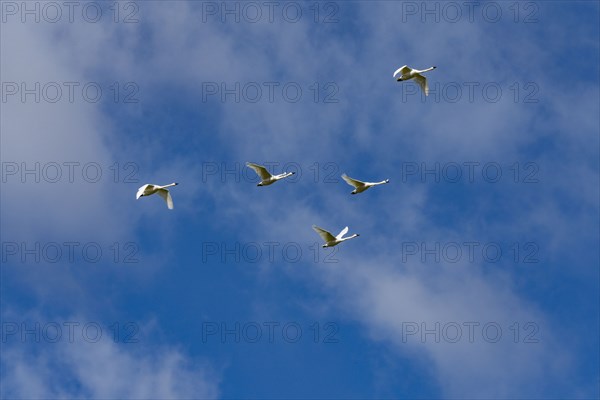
(403, 73)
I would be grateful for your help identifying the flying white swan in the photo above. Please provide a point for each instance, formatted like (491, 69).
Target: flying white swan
(331, 240)
(407, 73)
(361, 186)
(266, 177)
(149, 189)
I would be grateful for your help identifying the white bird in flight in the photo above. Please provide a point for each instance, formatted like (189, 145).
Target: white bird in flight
(407, 73)
(331, 240)
(267, 178)
(360, 186)
(149, 189)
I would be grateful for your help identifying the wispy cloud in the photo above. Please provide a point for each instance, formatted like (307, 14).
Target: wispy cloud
(103, 369)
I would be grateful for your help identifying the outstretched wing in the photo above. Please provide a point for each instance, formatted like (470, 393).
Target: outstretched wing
(352, 182)
(260, 170)
(405, 69)
(422, 81)
(140, 191)
(326, 236)
(342, 233)
(164, 193)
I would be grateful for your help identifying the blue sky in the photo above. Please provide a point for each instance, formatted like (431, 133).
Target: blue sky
(479, 286)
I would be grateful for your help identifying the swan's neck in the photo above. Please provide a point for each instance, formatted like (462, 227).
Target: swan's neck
(382, 182)
(350, 237)
(169, 185)
(425, 70)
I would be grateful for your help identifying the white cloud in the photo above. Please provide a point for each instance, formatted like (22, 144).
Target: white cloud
(104, 369)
